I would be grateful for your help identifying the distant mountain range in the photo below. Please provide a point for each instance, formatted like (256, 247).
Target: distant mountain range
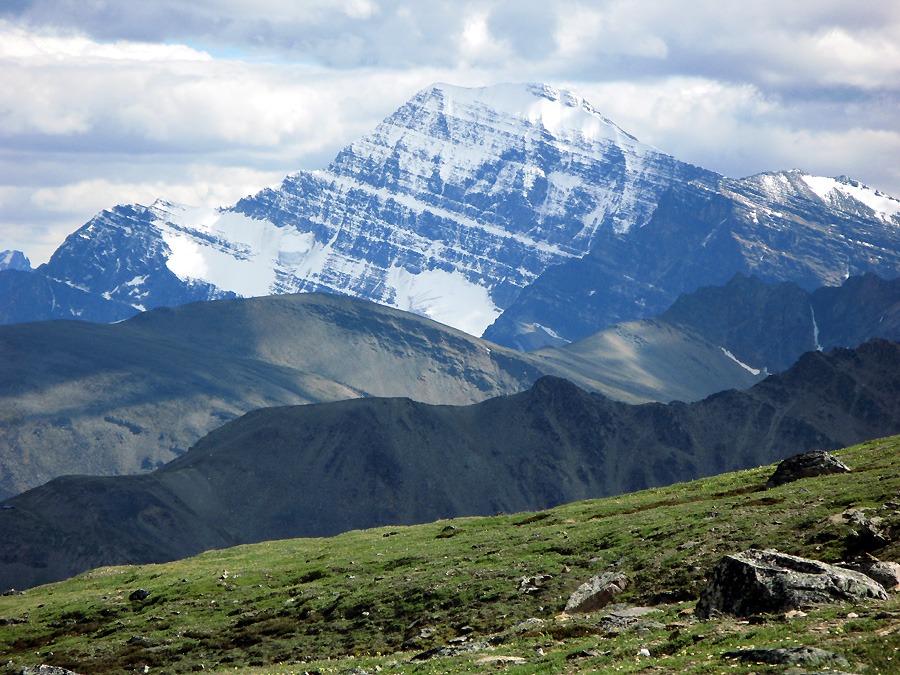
(321, 469)
(111, 399)
(518, 211)
(14, 260)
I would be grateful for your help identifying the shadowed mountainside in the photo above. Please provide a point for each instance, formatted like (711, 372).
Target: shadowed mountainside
(322, 469)
(116, 399)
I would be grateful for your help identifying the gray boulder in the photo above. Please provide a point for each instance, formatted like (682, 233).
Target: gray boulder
(885, 573)
(757, 582)
(597, 592)
(806, 465)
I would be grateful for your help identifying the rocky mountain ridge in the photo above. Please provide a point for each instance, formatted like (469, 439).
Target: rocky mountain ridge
(514, 210)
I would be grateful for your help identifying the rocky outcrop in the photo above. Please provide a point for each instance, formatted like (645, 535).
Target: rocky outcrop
(596, 593)
(757, 582)
(806, 465)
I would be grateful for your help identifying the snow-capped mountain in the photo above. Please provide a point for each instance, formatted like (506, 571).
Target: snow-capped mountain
(515, 207)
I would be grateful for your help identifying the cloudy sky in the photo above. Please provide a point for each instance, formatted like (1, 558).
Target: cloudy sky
(203, 101)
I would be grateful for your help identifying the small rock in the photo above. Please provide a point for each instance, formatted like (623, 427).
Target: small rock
(532, 584)
(806, 465)
(587, 653)
(596, 593)
(635, 611)
(787, 656)
(139, 594)
(487, 660)
(451, 650)
(644, 652)
(44, 669)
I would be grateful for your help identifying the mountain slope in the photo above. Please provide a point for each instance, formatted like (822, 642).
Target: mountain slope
(731, 336)
(321, 469)
(458, 593)
(773, 226)
(78, 397)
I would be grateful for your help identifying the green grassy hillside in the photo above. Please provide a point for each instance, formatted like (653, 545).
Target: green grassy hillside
(490, 590)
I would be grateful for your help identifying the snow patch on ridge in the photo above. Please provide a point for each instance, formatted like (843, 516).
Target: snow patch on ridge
(883, 205)
(445, 297)
(227, 249)
(731, 356)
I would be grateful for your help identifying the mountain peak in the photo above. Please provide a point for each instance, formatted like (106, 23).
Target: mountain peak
(14, 260)
(562, 113)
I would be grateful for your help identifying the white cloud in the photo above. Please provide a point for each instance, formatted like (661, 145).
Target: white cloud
(194, 100)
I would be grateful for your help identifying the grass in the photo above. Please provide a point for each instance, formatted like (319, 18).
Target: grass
(374, 599)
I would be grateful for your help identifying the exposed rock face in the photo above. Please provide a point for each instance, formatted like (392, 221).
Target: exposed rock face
(757, 582)
(598, 592)
(806, 465)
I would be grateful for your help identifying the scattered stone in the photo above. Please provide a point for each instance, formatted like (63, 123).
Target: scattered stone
(531, 625)
(354, 671)
(598, 592)
(787, 656)
(448, 531)
(451, 650)
(587, 653)
(489, 660)
(12, 621)
(795, 614)
(13, 591)
(758, 582)
(806, 465)
(139, 594)
(635, 611)
(44, 669)
(532, 584)
(885, 573)
(139, 641)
